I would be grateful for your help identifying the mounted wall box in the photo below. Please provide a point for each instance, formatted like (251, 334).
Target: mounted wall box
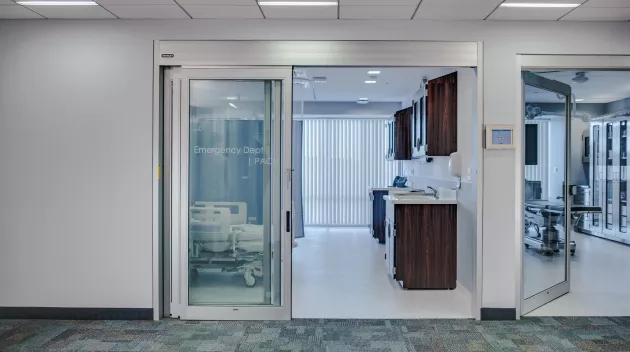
(499, 136)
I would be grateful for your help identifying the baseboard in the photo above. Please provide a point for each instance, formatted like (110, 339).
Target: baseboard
(76, 313)
(498, 313)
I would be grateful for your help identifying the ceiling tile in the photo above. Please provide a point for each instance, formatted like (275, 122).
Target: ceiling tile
(16, 12)
(72, 12)
(204, 11)
(135, 2)
(548, 1)
(607, 3)
(376, 12)
(378, 2)
(527, 14)
(219, 2)
(599, 14)
(300, 12)
(147, 11)
(456, 9)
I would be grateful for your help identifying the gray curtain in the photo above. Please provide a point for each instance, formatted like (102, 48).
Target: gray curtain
(298, 209)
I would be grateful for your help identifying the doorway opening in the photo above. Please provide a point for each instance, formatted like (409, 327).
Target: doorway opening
(360, 136)
(575, 252)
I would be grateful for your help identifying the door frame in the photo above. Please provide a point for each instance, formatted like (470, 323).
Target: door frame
(280, 193)
(249, 53)
(527, 62)
(549, 294)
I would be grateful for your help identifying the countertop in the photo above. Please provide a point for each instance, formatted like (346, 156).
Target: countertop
(392, 189)
(418, 199)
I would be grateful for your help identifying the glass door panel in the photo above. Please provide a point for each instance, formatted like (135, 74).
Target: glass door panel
(623, 180)
(235, 247)
(596, 175)
(610, 177)
(547, 244)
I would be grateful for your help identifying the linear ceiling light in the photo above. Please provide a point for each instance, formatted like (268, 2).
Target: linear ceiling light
(370, 82)
(234, 106)
(56, 3)
(531, 4)
(374, 72)
(297, 3)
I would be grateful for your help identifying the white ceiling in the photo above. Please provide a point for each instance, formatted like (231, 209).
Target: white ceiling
(602, 87)
(590, 10)
(394, 84)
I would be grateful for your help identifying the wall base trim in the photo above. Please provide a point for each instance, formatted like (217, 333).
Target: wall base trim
(498, 313)
(59, 313)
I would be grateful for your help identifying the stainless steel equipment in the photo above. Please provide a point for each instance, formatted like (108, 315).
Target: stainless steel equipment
(544, 224)
(582, 197)
(608, 177)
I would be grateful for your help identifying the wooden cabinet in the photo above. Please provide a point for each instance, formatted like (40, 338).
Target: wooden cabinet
(400, 135)
(403, 134)
(421, 245)
(441, 116)
(377, 214)
(429, 127)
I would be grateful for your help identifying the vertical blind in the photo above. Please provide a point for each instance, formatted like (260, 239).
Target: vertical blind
(342, 161)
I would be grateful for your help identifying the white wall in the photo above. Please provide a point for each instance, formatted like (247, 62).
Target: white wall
(75, 143)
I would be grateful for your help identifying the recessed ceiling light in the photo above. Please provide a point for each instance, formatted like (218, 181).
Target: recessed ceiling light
(579, 100)
(234, 106)
(56, 3)
(531, 4)
(297, 3)
(374, 72)
(231, 98)
(370, 82)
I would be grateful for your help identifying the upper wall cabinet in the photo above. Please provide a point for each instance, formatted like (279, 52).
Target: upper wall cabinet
(440, 126)
(403, 134)
(429, 126)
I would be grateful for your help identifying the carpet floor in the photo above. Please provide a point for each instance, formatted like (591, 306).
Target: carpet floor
(529, 334)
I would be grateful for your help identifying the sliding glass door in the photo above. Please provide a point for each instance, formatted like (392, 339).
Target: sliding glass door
(234, 221)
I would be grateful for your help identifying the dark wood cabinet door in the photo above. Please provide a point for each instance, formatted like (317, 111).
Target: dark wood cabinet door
(442, 115)
(426, 246)
(378, 215)
(403, 143)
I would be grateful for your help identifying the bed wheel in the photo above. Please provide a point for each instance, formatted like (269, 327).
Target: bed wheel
(250, 279)
(194, 274)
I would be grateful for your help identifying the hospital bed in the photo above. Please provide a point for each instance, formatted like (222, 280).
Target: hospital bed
(221, 240)
(544, 224)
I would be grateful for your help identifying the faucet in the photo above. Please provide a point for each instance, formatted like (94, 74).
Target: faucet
(435, 192)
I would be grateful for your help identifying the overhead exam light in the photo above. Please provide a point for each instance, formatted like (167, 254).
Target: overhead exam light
(56, 3)
(580, 77)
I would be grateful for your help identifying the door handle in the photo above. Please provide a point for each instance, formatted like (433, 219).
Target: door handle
(288, 221)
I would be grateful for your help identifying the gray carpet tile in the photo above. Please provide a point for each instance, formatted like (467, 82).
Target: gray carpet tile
(309, 335)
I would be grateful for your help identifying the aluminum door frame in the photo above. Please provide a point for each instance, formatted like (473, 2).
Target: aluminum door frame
(281, 201)
(528, 304)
